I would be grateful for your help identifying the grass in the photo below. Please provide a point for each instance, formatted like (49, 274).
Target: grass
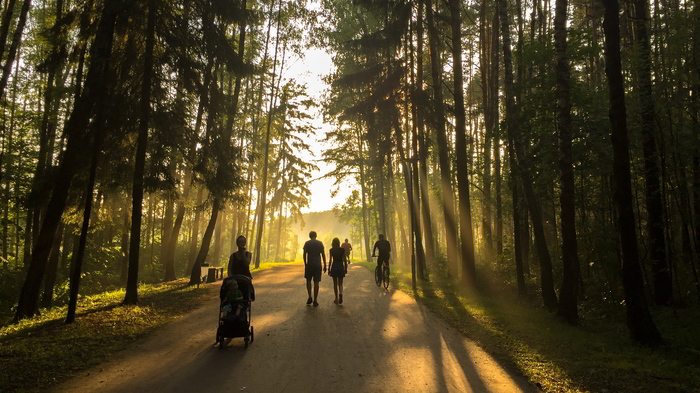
(597, 356)
(39, 352)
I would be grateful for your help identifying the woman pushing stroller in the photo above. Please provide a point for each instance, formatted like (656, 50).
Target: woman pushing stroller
(239, 261)
(236, 295)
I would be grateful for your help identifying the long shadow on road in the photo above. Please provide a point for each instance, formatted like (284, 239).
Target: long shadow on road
(377, 341)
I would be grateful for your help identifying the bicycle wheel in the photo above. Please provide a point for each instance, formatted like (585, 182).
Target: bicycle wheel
(377, 276)
(386, 277)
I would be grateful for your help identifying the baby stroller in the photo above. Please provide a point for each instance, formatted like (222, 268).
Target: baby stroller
(236, 295)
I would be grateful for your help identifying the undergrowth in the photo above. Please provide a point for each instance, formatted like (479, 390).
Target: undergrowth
(596, 356)
(39, 352)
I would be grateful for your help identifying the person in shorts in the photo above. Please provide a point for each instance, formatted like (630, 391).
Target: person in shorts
(348, 248)
(313, 253)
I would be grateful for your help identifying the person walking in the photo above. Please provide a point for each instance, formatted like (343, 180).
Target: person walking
(239, 261)
(338, 268)
(348, 248)
(313, 253)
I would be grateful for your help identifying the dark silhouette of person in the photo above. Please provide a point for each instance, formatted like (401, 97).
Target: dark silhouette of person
(338, 269)
(239, 261)
(384, 248)
(313, 253)
(348, 248)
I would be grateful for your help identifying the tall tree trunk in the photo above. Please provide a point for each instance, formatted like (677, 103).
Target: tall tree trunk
(568, 309)
(217, 238)
(639, 319)
(195, 228)
(513, 121)
(123, 245)
(363, 190)
(10, 149)
(415, 234)
(132, 296)
(280, 227)
(423, 155)
(445, 172)
(497, 180)
(487, 50)
(50, 279)
(517, 222)
(167, 229)
(663, 291)
(75, 130)
(465, 210)
(405, 249)
(77, 268)
(495, 116)
(14, 46)
(250, 229)
(696, 121)
(195, 276)
(263, 187)
(418, 263)
(5, 28)
(67, 249)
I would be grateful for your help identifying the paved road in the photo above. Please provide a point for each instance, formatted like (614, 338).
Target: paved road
(377, 341)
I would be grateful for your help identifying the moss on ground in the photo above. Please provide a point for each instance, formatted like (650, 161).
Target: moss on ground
(597, 356)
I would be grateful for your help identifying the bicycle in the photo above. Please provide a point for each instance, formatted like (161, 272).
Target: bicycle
(383, 275)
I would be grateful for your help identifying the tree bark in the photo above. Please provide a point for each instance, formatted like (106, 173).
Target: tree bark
(167, 228)
(639, 320)
(263, 193)
(568, 308)
(363, 190)
(495, 127)
(465, 210)
(195, 275)
(517, 222)
(77, 268)
(663, 290)
(513, 119)
(217, 239)
(443, 147)
(77, 135)
(123, 245)
(418, 264)
(14, 46)
(423, 155)
(50, 279)
(131, 296)
(5, 28)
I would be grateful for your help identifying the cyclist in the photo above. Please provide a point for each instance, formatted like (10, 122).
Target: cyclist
(384, 248)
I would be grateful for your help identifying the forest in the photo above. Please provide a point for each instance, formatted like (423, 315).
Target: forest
(547, 149)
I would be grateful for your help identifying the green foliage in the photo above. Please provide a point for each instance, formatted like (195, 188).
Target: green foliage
(594, 357)
(37, 353)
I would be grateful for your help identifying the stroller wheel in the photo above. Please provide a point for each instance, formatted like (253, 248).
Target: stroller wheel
(252, 336)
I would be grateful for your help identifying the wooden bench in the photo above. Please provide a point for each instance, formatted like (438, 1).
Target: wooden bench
(211, 273)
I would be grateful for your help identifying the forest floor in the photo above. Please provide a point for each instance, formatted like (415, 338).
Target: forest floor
(597, 356)
(376, 341)
(39, 352)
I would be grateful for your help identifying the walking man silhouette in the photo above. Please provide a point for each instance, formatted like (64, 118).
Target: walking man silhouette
(313, 253)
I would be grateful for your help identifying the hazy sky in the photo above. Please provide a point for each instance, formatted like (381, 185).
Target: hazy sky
(310, 70)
